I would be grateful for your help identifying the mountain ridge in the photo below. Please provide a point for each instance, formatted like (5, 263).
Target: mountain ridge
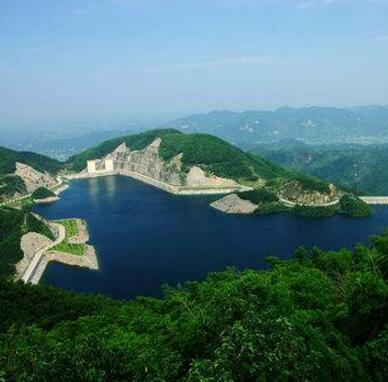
(312, 124)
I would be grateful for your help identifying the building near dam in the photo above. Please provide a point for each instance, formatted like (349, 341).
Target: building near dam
(100, 166)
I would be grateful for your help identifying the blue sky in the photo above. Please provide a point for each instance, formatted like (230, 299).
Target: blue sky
(68, 60)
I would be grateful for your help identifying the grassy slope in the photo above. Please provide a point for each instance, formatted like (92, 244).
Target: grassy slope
(71, 229)
(320, 317)
(13, 225)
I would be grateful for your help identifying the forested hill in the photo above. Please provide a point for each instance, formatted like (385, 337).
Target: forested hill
(41, 163)
(209, 152)
(320, 317)
(271, 183)
(361, 167)
(14, 223)
(314, 124)
(12, 185)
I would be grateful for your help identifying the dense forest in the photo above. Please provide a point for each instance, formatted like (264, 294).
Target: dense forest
(41, 163)
(347, 165)
(322, 316)
(42, 193)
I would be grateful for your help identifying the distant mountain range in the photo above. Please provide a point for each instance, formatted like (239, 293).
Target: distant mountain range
(316, 125)
(366, 124)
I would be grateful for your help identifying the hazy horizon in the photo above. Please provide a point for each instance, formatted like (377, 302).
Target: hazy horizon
(104, 62)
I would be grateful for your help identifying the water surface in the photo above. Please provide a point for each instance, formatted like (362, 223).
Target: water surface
(145, 237)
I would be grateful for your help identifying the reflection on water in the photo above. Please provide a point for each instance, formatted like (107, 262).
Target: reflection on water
(145, 237)
(93, 189)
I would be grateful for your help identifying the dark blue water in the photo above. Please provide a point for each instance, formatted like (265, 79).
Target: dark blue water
(145, 237)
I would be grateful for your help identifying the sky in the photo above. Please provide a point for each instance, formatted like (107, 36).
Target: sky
(113, 60)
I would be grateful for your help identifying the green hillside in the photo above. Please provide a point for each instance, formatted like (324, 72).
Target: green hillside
(360, 167)
(14, 224)
(212, 154)
(134, 142)
(218, 157)
(11, 185)
(320, 317)
(41, 163)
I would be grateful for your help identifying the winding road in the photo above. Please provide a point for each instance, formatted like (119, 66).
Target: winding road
(30, 270)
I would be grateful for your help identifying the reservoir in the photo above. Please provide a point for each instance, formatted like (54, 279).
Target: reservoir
(145, 237)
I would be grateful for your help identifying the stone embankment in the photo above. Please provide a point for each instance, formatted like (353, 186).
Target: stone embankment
(375, 200)
(232, 204)
(289, 203)
(49, 200)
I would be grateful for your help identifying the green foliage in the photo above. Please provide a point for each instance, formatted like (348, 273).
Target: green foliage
(320, 317)
(314, 212)
(71, 248)
(271, 208)
(33, 224)
(71, 229)
(347, 165)
(309, 183)
(134, 142)
(218, 157)
(11, 185)
(13, 225)
(42, 193)
(258, 196)
(211, 153)
(8, 159)
(354, 206)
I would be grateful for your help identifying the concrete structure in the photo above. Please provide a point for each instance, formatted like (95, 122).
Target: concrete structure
(375, 200)
(100, 166)
(147, 166)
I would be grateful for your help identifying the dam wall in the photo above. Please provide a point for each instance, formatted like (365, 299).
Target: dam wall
(106, 167)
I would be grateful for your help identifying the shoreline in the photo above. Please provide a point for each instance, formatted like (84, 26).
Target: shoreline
(172, 189)
(39, 262)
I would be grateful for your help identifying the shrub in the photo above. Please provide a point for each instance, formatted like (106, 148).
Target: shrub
(42, 193)
(354, 206)
(258, 196)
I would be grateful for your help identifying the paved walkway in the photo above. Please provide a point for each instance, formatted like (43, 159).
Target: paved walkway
(36, 260)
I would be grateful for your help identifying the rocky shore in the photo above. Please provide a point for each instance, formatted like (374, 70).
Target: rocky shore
(232, 204)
